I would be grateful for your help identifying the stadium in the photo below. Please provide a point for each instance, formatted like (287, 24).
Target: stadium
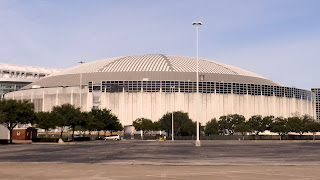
(151, 85)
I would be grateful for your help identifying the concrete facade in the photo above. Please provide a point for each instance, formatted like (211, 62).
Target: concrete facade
(316, 92)
(128, 106)
(4, 133)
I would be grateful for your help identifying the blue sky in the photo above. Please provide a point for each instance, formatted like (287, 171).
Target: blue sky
(278, 39)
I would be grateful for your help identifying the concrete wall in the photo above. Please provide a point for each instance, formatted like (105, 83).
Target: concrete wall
(45, 98)
(129, 106)
(4, 133)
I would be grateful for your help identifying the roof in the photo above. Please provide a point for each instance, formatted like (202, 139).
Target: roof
(152, 67)
(23, 68)
(21, 73)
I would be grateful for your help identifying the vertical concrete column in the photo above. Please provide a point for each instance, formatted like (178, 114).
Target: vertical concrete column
(161, 111)
(232, 103)
(71, 96)
(247, 104)
(43, 101)
(141, 99)
(122, 108)
(57, 100)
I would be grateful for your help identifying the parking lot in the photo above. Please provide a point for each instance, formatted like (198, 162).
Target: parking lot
(162, 160)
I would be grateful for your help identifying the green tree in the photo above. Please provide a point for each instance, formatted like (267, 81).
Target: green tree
(243, 129)
(156, 126)
(313, 127)
(144, 125)
(236, 119)
(267, 121)
(279, 125)
(212, 127)
(306, 119)
(259, 124)
(68, 115)
(89, 123)
(183, 125)
(104, 120)
(295, 124)
(46, 121)
(229, 122)
(13, 112)
(225, 123)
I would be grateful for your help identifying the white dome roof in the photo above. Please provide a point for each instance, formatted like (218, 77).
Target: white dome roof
(154, 67)
(157, 63)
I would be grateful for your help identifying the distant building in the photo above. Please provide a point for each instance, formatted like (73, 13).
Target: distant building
(316, 92)
(14, 77)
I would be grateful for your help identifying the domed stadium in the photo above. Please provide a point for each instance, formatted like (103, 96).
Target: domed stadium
(151, 85)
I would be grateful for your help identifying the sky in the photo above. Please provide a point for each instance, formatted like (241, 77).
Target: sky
(278, 39)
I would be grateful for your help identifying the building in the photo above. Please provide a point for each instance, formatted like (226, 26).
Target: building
(151, 85)
(316, 92)
(24, 133)
(14, 77)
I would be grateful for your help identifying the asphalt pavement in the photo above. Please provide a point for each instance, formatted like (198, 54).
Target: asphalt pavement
(162, 160)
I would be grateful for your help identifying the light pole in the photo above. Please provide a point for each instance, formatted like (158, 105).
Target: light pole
(197, 23)
(172, 131)
(81, 62)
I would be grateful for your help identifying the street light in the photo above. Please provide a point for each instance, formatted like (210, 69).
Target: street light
(172, 131)
(81, 62)
(197, 23)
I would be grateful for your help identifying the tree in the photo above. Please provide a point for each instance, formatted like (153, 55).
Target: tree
(236, 119)
(110, 122)
(13, 112)
(267, 121)
(295, 124)
(243, 129)
(68, 115)
(225, 124)
(211, 127)
(259, 124)
(143, 124)
(229, 122)
(183, 125)
(46, 121)
(313, 127)
(279, 125)
(104, 120)
(89, 123)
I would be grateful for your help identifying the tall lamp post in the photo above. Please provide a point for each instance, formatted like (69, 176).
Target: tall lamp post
(172, 131)
(197, 23)
(80, 88)
(81, 62)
